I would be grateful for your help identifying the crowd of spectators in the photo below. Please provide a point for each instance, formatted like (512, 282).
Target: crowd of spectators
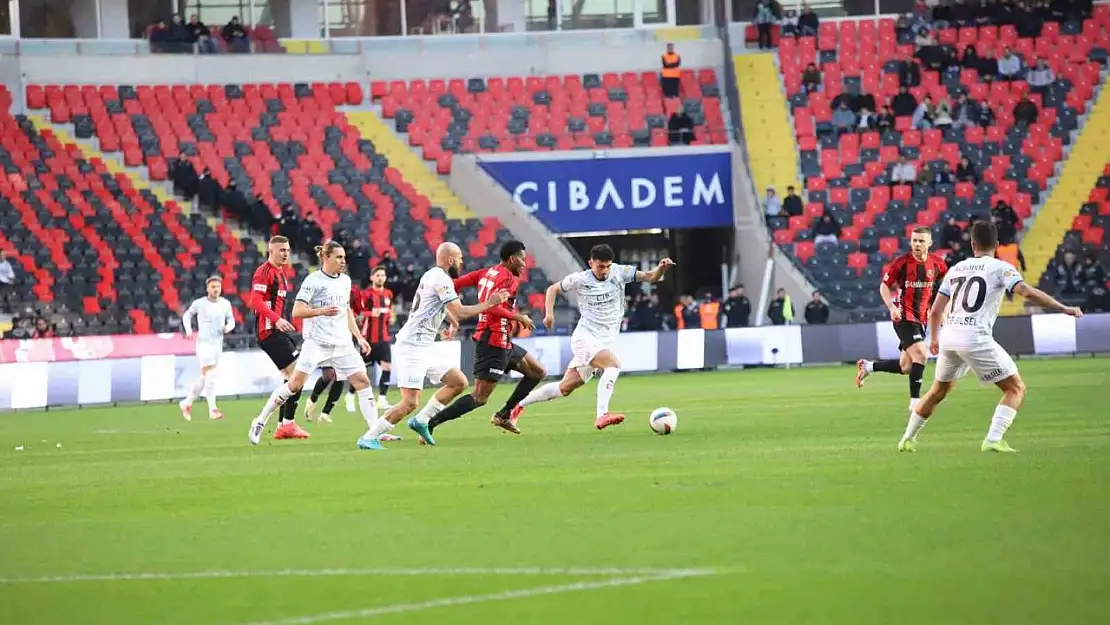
(176, 36)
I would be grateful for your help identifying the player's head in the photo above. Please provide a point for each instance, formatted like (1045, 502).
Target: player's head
(513, 257)
(984, 238)
(333, 258)
(601, 256)
(278, 251)
(921, 239)
(449, 258)
(213, 287)
(378, 276)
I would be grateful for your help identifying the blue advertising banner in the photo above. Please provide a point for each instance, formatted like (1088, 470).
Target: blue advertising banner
(621, 193)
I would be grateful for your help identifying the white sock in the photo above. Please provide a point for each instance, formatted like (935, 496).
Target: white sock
(367, 407)
(277, 398)
(194, 391)
(1003, 417)
(605, 389)
(913, 403)
(546, 392)
(210, 390)
(914, 426)
(869, 366)
(381, 426)
(430, 409)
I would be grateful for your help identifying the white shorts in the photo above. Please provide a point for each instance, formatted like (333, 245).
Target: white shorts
(584, 348)
(209, 354)
(411, 363)
(990, 363)
(343, 358)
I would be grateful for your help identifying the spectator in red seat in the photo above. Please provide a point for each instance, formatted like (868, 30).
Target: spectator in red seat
(159, 37)
(942, 15)
(962, 14)
(956, 253)
(311, 233)
(808, 22)
(970, 58)
(792, 204)
(862, 101)
(942, 116)
(985, 115)
(811, 78)
(1006, 219)
(988, 67)
(789, 24)
(951, 234)
(909, 73)
(766, 13)
(43, 329)
(885, 119)
(964, 113)
(772, 205)
(866, 120)
(680, 128)
(1028, 22)
(966, 171)
(1040, 77)
(844, 119)
(903, 172)
(1010, 66)
(236, 36)
(986, 13)
(924, 114)
(200, 35)
(827, 230)
(1025, 111)
(941, 176)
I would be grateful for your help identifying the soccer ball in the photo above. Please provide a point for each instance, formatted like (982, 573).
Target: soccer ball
(663, 421)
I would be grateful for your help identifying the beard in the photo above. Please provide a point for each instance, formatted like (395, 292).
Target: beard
(453, 271)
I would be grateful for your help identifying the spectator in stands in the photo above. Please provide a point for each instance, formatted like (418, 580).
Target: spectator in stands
(942, 176)
(909, 72)
(671, 73)
(1093, 271)
(884, 122)
(686, 314)
(792, 203)
(956, 253)
(942, 15)
(808, 23)
(811, 78)
(765, 15)
(924, 114)
(951, 233)
(43, 329)
(160, 37)
(552, 14)
(966, 171)
(311, 233)
(358, 262)
(942, 117)
(1025, 111)
(924, 38)
(904, 29)
(1010, 252)
(179, 36)
(862, 101)
(709, 312)
(903, 172)
(289, 226)
(1028, 22)
(201, 36)
(843, 119)
(646, 316)
(772, 205)
(680, 128)
(827, 230)
(738, 308)
(208, 191)
(1070, 275)
(985, 115)
(780, 311)
(985, 13)
(866, 120)
(1010, 66)
(261, 218)
(960, 14)
(1006, 219)
(236, 36)
(817, 312)
(789, 24)
(988, 66)
(963, 113)
(1040, 77)
(903, 103)
(233, 202)
(7, 276)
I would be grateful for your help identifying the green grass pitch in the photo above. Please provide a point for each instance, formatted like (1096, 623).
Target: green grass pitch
(780, 499)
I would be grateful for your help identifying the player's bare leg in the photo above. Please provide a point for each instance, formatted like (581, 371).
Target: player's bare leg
(534, 373)
(454, 383)
(1013, 394)
(278, 399)
(920, 414)
(610, 367)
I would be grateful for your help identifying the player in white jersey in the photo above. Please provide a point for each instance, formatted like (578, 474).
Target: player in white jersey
(974, 288)
(600, 294)
(413, 354)
(324, 302)
(214, 320)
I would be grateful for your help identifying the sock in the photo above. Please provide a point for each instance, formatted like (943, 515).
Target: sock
(289, 409)
(462, 405)
(913, 403)
(914, 426)
(379, 427)
(429, 410)
(1003, 417)
(194, 391)
(917, 375)
(334, 393)
(887, 366)
(547, 392)
(521, 391)
(279, 397)
(605, 389)
(383, 383)
(869, 366)
(210, 390)
(367, 407)
(318, 390)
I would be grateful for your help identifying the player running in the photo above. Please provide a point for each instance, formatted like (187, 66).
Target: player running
(435, 300)
(974, 288)
(915, 276)
(600, 294)
(214, 320)
(495, 354)
(269, 288)
(324, 302)
(329, 381)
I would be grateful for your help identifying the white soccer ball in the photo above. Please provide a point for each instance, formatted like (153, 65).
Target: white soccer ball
(663, 421)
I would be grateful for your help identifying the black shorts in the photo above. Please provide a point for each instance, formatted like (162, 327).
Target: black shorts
(281, 349)
(490, 363)
(379, 352)
(909, 332)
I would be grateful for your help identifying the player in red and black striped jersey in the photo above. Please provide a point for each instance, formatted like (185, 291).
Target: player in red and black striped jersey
(914, 278)
(494, 352)
(269, 288)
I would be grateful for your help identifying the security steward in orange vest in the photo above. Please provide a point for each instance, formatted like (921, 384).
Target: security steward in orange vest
(672, 71)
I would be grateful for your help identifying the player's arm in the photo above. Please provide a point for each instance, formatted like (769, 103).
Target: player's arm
(469, 280)
(936, 317)
(890, 276)
(1044, 300)
(655, 275)
(302, 309)
(456, 309)
(229, 318)
(187, 318)
(352, 325)
(549, 297)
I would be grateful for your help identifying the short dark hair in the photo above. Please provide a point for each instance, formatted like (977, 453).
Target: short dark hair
(984, 235)
(601, 252)
(923, 230)
(510, 249)
(380, 268)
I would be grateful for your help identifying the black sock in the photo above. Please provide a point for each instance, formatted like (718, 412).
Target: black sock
(383, 383)
(888, 366)
(917, 375)
(289, 408)
(333, 395)
(318, 390)
(521, 391)
(462, 405)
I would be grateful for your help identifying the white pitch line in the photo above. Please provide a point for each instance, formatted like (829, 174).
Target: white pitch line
(471, 599)
(404, 572)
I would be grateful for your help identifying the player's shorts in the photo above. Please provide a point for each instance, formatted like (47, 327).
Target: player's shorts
(379, 352)
(990, 363)
(909, 333)
(411, 363)
(281, 349)
(492, 362)
(345, 359)
(584, 348)
(209, 354)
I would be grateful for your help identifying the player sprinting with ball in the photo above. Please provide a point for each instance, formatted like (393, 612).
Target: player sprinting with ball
(600, 294)
(214, 320)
